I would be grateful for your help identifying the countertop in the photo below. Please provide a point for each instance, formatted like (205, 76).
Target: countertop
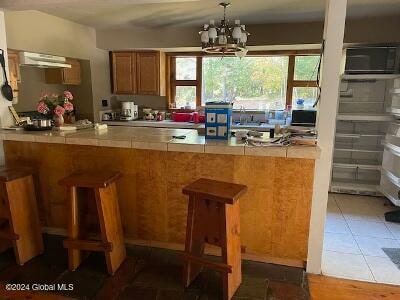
(161, 139)
(183, 125)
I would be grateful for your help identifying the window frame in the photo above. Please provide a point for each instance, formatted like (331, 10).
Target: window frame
(172, 83)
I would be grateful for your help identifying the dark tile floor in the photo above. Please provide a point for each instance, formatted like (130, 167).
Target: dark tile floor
(149, 273)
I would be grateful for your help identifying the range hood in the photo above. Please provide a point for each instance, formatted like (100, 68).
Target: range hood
(42, 60)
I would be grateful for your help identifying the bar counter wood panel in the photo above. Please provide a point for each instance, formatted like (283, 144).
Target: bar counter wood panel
(275, 211)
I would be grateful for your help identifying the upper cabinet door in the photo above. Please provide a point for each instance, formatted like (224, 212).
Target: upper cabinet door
(69, 76)
(148, 73)
(72, 75)
(123, 73)
(14, 74)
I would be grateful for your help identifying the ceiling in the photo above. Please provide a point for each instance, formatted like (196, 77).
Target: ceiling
(160, 13)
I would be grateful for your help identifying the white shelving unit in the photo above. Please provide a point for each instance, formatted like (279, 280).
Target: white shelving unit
(362, 122)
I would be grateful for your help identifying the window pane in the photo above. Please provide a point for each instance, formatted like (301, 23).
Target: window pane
(308, 94)
(186, 68)
(185, 96)
(253, 82)
(306, 67)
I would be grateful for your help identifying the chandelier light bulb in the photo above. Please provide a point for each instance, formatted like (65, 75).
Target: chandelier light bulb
(204, 37)
(243, 38)
(237, 30)
(204, 34)
(212, 31)
(222, 39)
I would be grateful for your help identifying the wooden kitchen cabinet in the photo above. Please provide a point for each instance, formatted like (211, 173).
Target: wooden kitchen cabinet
(138, 73)
(70, 76)
(14, 74)
(123, 69)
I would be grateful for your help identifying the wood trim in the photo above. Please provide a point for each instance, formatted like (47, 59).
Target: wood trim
(111, 69)
(304, 83)
(250, 53)
(172, 77)
(290, 79)
(173, 83)
(321, 288)
(185, 82)
(291, 83)
(199, 78)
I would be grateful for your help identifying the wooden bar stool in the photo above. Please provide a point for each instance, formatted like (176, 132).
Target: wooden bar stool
(214, 218)
(19, 218)
(103, 186)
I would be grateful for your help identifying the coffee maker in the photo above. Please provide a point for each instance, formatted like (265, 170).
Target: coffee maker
(129, 111)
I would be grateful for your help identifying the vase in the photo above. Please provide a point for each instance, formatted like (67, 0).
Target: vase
(58, 120)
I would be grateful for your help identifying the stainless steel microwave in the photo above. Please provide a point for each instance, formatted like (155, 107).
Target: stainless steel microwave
(372, 60)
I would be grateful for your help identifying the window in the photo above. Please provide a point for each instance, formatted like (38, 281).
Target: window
(185, 82)
(254, 82)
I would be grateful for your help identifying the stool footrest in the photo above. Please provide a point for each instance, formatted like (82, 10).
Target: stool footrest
(88, 245)
(6, 234)
(220, 267)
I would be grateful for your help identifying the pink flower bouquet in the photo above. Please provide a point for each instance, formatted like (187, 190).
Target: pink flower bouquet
(55, 104)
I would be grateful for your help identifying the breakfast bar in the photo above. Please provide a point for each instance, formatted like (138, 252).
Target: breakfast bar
(157, 163)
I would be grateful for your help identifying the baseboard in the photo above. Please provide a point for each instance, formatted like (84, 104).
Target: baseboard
(209, 250)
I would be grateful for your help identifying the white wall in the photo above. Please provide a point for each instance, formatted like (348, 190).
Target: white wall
(39, 32)
(333, 34)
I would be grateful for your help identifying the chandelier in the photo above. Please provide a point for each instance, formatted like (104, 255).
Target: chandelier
(224, 39)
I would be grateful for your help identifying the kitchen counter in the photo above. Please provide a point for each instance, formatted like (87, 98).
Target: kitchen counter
(275, 212)
(156, 124)
(161, 139)
(185, 125)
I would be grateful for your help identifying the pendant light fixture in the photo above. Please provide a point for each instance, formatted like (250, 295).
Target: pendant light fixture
(224, 39)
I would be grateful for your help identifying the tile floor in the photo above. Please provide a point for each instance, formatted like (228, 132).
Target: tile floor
(355, 233)
(146, 274)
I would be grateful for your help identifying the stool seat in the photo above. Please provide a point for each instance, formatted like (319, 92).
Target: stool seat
(90, 180)
(224, 192)
(8, 174)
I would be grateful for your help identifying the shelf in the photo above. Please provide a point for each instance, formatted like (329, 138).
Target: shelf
(359, 150)
(364, 117)
(395, 111)
(358, 102)
(357, 135)
(395, 91)
(370, 76)
(355, 187)
(368, 164)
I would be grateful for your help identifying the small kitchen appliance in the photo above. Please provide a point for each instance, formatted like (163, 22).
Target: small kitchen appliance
(129, 111)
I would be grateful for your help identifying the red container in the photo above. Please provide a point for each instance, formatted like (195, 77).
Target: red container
(202, 118)
(195, 117)
(181, 117)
